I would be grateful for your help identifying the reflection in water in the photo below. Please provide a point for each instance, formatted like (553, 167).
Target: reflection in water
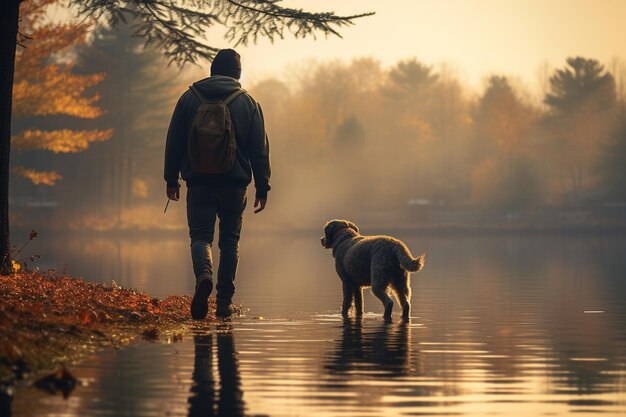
(382, 352)
(508, 326)
(205, 400)
(5, 403)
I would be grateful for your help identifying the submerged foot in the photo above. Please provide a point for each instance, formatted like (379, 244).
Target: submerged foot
(388, 309)
(224, 309)
(200, 301)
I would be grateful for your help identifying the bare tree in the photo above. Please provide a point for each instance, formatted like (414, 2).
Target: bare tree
(177, 28)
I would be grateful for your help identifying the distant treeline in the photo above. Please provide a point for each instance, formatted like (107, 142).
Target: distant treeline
(374, 137)
(347, 138)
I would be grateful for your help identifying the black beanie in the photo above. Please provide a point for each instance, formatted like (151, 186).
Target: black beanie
(227, 62)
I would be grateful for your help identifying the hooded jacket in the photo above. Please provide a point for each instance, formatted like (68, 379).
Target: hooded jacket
(253, 152)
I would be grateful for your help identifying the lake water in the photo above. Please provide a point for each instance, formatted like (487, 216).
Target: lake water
(512, 326)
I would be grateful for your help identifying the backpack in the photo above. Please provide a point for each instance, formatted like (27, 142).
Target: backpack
(212, 147)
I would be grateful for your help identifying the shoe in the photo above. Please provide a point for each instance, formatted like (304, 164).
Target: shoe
(224, 310)
(200, 301)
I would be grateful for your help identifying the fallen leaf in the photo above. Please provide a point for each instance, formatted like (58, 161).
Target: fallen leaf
(87, 316)
(62, 380)
(150, 334)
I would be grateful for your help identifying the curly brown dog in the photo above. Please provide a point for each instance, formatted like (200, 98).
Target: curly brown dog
(382, 262)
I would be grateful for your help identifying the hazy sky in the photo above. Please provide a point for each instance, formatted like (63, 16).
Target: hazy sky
(476, 37)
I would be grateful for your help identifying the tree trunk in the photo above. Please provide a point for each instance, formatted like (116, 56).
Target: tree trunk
(9, 14)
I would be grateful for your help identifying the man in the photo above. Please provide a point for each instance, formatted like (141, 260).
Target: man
(218, 194)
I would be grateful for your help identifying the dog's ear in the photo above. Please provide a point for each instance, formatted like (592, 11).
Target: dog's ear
(329, 230)
(353, 227)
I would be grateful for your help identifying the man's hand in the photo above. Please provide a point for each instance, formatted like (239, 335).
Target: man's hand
(260, 203)
(173, 193)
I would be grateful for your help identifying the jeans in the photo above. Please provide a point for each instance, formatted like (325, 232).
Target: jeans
(204, 203)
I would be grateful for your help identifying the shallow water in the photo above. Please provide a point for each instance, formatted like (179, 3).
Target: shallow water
(522, 326)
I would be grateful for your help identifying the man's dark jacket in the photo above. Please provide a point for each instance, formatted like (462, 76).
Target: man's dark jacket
(253, 152)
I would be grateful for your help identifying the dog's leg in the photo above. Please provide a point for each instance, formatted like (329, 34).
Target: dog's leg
(358, 301)
(380, 291)
(403, 292)
(348, 295)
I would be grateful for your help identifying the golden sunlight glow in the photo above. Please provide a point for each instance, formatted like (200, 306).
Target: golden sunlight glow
(477, 37)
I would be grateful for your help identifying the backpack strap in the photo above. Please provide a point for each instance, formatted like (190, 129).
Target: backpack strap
(197, 93)
(233, 96)
(226, 102)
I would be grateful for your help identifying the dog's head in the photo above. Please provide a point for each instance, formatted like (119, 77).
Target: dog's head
(331, 229)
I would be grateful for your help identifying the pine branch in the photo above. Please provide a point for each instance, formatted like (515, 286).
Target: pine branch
(281, 12)
(177, 27)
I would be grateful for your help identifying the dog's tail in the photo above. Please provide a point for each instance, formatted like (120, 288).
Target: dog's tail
(406, 260)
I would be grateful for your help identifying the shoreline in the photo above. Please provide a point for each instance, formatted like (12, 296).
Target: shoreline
(48, 319)
(447, 230)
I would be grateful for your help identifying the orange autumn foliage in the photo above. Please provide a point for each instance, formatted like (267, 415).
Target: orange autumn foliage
(48, 317)
(59, 141)
(52, 298)
(45, 85)
(44, 82)
(38, 177)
